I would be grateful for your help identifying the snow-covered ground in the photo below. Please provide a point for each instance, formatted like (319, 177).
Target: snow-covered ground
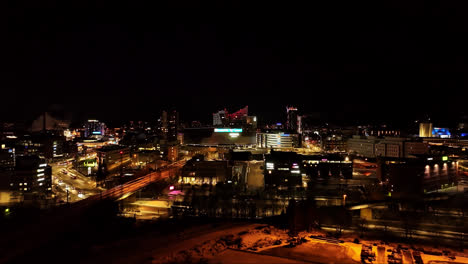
(257, 244)
(230, 243)
(267, 244)
(230, 256)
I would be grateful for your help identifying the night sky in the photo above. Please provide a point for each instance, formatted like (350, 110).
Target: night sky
(359, 61)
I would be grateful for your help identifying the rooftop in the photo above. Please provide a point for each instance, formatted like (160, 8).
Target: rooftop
(111, 148)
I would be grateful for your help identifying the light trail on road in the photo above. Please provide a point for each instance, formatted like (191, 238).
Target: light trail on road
(133, 185)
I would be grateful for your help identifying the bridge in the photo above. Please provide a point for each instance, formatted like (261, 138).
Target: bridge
(51, 226)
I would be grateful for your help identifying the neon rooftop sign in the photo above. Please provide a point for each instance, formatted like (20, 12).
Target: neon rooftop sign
(228, 130)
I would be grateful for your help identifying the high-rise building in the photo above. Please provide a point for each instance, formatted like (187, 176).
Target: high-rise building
(94, 128)
(173, 126)
(162, 125)
(299, 124)
(292, 119)
(169, 125)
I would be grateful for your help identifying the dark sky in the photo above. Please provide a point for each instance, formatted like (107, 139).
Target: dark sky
(356, 61)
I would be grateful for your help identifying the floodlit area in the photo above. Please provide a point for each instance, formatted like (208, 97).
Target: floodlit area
(71, 186)
(266, 244)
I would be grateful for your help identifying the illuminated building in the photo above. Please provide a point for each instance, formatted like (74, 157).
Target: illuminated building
(144, 157)
(246, 170)
(292, 119)
(249, 123)
(414, 176)
(48, 146)
(32, 175)
(228, 137)
(278, 140)
(198, 171)
(173, 126)
(7, 158)
(425, 130)
(180, 138)
(240, 119)
(335, 143)
(283, 170)
(94, 128)
(169, 125)
(327, 166)
(394, 147)
(171, 152)
(112, 158)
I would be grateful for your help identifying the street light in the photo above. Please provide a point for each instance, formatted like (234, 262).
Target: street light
(344, 199)
(66, 188)
(121, 161)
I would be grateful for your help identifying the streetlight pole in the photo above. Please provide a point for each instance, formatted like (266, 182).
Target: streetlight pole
(121, 164)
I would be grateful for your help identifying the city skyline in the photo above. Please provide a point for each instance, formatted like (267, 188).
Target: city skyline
(224, 132)
(76, 119)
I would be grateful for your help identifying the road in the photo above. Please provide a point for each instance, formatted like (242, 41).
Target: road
(422, 231)
(79, 187)
(124, 190)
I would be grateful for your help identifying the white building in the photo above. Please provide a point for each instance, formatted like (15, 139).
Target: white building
(277, 140)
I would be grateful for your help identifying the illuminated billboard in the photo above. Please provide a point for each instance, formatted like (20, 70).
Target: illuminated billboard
(441, 132)
(228, 130)
(90, 163)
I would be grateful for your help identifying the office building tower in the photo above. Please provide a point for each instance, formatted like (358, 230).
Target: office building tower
(292, 119)
(94, 128)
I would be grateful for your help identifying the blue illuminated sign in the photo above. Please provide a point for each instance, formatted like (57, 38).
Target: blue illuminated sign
(96, 132)
(228, 130)
(441, 132)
